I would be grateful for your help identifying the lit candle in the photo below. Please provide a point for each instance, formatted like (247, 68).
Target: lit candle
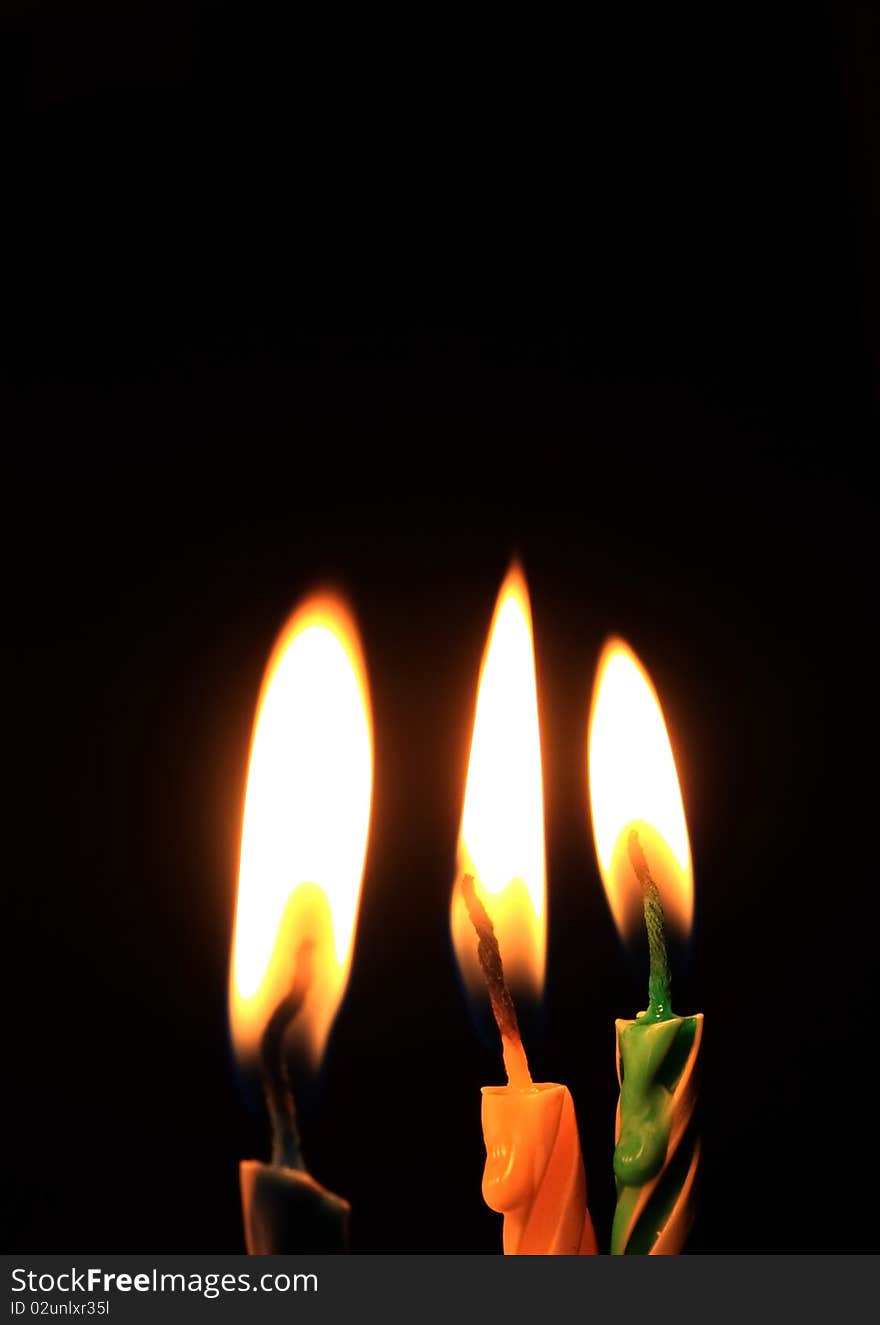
(304, 838)
(644, 858)
(534, 1174)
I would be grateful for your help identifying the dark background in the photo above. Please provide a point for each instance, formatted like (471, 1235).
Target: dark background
(385, 302)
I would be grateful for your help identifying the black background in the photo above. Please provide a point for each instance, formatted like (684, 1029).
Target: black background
(385, 301)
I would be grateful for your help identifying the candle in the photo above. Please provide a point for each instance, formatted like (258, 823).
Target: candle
(304, 838)
(534, 1173)
(644, 859)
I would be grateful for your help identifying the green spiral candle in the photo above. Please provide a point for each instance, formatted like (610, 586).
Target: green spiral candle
(657, 1146)
(644, 856)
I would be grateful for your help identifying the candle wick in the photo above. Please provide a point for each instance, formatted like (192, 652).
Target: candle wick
(286, 1151)
(659, 977)
(489, 956)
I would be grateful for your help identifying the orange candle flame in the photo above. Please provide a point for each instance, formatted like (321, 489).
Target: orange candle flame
(634, 785)
(305, 826)
(501, 841)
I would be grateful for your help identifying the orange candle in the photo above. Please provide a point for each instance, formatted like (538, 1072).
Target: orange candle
(534, 1173)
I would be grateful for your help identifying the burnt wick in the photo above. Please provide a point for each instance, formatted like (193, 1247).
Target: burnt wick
(659, 978)
(492, 966)
(286, 1149)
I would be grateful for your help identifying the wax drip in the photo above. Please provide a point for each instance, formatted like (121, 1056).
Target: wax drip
(489, 956)
(659, 979)
(286, 1150)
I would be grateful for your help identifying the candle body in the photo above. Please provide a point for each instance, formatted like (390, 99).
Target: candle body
(286, 1211)
(534, 1172)
(657, 1146)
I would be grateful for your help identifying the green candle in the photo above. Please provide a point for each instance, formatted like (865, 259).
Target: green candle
(657, 1148)
(644, 857)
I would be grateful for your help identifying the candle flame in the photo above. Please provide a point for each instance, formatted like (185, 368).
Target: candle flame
(501, 842)
(634, 785)
(304, 832)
